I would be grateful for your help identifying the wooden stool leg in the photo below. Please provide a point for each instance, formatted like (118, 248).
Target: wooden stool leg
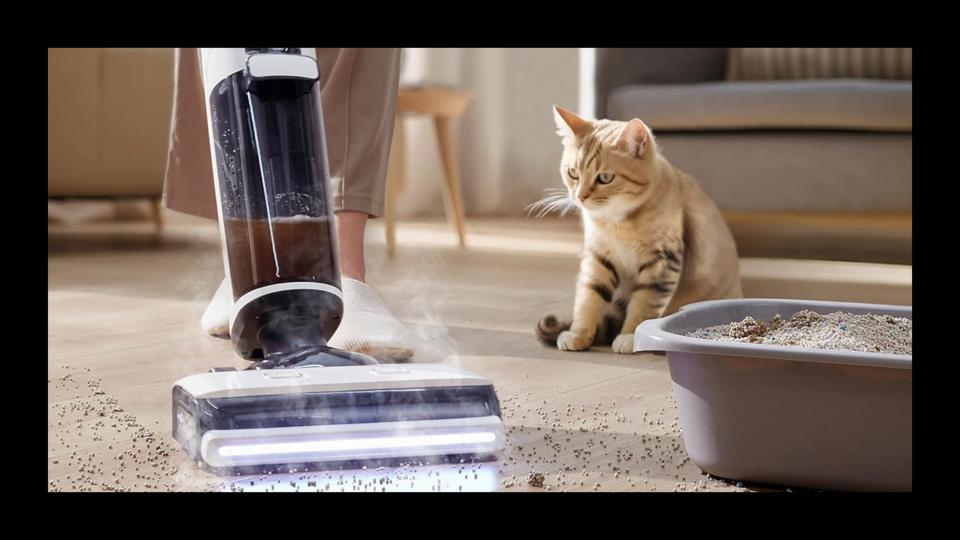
(395, 172)
(157, 206)
(448, 153)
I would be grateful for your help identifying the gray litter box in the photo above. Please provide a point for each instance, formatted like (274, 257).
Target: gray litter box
(788, 416)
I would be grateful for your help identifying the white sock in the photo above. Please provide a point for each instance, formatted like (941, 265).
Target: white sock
(369, 327)
(216, 318)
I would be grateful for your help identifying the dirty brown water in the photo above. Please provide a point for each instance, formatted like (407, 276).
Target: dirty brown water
(552, 445)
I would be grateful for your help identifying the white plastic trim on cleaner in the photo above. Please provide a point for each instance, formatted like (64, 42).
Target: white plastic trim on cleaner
(326, 379)
(268, 289)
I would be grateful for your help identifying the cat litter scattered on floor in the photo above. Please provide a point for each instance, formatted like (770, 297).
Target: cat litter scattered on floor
(535, 479)
(838, 331)
(614, 444)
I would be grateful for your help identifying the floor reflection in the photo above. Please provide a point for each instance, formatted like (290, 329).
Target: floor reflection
(466, 477)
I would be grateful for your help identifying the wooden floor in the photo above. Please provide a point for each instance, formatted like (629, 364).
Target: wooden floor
(124, 310)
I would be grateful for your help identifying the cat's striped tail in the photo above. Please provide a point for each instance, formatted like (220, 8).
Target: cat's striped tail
(550, 327)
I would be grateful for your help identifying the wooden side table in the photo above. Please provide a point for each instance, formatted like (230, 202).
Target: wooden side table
(444, 105)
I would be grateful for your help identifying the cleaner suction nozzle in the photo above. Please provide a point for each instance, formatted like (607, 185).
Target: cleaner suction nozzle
(284, 332)
(292, 329)
(313, 356)
(285, 321)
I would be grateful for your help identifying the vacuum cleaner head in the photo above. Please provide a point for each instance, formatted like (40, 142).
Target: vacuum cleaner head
(237, 422)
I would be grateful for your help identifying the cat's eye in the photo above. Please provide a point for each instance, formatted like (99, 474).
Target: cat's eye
(604, 178)
(573, 173)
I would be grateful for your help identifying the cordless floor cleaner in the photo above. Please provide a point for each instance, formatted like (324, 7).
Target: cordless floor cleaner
(301, 403)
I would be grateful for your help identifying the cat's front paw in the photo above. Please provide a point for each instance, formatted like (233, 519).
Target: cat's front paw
(568, 341)
(623, 344)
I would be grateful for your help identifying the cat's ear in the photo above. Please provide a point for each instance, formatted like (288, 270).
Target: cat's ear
(635, 138)
(569, 124)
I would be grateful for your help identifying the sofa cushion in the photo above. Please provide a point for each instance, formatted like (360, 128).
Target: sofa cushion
(798, 171)
(108, 121)
(820, 63)
(844, 104)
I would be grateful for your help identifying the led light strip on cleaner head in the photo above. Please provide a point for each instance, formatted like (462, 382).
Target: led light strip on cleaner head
(456, 436)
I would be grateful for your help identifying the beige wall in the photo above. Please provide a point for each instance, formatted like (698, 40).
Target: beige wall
(509, 149)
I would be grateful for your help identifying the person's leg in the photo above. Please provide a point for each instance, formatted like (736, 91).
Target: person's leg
(359, 93)
(188, 182)
(359, 107)
(350, 228)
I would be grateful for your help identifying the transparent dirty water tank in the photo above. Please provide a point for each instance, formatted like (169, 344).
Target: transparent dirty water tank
(277, 218)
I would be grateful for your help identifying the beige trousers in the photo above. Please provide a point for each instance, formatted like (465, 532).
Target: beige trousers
(359, 94)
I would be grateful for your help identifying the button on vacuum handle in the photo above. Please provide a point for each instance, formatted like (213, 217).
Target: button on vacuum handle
(283, 374)
(389, 370)
(268, 66)
(279, 50)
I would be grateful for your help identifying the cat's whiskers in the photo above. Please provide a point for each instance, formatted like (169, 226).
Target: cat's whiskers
(557, 199)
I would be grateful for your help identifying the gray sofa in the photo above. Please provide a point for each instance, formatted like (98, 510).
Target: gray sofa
(801, 166)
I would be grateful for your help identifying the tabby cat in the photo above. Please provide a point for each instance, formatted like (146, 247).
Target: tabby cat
(652, 239)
